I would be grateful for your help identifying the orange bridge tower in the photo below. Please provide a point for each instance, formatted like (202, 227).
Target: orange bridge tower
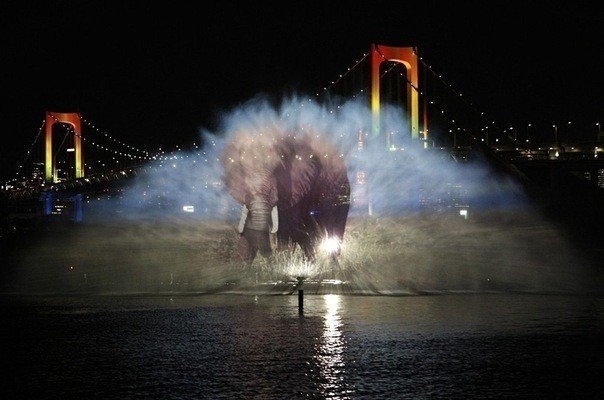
(407, 56)
(75, 121)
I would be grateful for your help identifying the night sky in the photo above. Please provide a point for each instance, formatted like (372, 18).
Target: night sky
(153, 72)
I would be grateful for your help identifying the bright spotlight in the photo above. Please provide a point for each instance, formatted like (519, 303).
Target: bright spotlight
(330, 246)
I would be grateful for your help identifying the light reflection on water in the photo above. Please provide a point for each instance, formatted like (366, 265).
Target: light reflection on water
(330, 349)
(340, 347)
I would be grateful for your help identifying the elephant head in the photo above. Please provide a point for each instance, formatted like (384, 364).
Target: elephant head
(304, 178)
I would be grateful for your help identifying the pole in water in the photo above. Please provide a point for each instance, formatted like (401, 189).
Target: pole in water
(300, 301)
(300, 294)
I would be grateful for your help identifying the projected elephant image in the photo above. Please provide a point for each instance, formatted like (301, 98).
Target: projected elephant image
(294, 186)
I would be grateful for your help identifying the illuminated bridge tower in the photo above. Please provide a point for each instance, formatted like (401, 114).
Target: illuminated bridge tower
(74, 120)
(48, 199)
(379, 54)
(407, 56)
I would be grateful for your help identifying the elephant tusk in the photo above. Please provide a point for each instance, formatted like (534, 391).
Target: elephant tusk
(242, 220)
(274, 220)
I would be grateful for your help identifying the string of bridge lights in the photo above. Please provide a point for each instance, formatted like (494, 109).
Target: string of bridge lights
(203, 155)
(178, 155)
(489, 123)
(160, 156)
(458, 95)
(146, 154)
(342, 76)
(100, 145)
(19, 170)
(365, 89)
(91, 125)
(348, 71)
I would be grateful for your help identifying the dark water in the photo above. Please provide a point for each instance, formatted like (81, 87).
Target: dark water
(341, 347)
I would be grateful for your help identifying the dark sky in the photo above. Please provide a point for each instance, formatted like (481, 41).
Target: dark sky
(153, 72)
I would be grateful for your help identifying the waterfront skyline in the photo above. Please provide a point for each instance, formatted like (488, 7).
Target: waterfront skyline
(155, 75)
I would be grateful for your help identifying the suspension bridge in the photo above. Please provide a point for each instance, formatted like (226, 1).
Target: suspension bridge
(71, 158)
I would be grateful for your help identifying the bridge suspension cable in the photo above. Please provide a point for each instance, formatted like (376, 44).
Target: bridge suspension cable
(445, 108)
(145, 153)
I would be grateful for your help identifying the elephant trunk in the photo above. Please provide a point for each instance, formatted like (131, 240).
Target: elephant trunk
(259, 215)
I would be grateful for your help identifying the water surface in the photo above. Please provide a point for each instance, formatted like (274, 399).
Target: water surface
(340, 347)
